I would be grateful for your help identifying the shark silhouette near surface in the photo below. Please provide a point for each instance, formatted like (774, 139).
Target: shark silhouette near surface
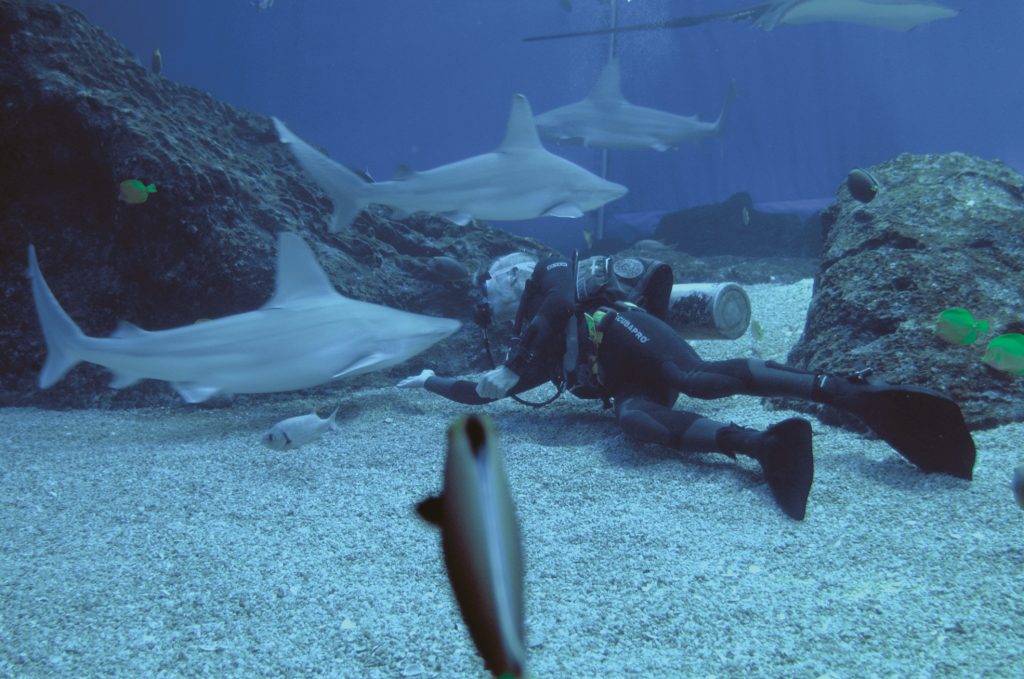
(518, 180)
(606, 120)
(306, 335)
(896, 15)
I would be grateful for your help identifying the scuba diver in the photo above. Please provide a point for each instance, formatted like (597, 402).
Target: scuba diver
(602, 335)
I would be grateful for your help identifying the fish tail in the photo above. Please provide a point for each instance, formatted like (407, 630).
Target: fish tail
(151, 188)
(726, 107)
(62, 336)
(349, 193)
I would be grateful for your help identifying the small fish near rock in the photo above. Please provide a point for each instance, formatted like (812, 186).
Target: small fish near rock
(1006, 353)
(134, 192)
(297, 431)
(958, 326)
(862, 185)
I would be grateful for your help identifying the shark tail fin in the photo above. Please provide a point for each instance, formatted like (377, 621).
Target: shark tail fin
(730, 97)
(62, 336)
(347, 190)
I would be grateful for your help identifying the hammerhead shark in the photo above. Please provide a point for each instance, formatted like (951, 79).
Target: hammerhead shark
(307, 334)
(518, 180)
(897, 15)
(606, 120)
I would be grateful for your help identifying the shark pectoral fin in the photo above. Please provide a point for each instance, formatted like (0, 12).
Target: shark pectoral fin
(459, 218)
(564, 210)
(431, 509)
(193, 392)
(121, 380)
(367, 362)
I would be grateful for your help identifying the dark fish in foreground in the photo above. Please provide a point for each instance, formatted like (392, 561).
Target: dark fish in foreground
(481, 541)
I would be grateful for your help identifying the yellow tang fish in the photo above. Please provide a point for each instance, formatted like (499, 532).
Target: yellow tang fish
(958, 326)
(135, 192)
(1006, 353)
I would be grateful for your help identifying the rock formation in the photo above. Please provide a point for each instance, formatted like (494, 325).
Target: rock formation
(78, 115)
(945, 231)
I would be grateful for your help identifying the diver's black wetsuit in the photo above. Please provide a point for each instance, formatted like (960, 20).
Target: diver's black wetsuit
(643, 365)
(545, 309)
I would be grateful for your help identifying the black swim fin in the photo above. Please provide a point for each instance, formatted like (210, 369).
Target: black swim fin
(924, 426)
(787, 461)
(784, 453)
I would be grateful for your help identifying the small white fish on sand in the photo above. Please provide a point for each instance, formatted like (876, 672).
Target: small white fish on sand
(298, 431)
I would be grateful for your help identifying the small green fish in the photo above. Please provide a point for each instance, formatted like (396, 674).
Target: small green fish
(756, 330)
(958, 326)
(1006, 353)
(134, 192)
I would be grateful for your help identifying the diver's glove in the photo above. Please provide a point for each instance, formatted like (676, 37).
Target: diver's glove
(496, 383)
(416, 381)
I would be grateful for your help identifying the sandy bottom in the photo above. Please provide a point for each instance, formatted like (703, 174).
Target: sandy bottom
(169, 541)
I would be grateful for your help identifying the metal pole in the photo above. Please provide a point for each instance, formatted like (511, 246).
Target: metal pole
(612, 49)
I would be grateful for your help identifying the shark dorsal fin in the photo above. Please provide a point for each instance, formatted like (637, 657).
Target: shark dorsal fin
(126, 330)
(609, 84)
(403, 172)
(521, 132)
(299, 275)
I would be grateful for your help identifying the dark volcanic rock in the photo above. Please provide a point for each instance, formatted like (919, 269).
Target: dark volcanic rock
(78, 115)
(945, 231)
(735, 228)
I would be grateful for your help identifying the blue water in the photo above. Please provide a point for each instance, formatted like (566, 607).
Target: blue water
(422, 83)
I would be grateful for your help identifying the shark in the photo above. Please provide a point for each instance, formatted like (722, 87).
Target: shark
(518, 180)
(896, 15)
(306, 334)
(606, 120)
